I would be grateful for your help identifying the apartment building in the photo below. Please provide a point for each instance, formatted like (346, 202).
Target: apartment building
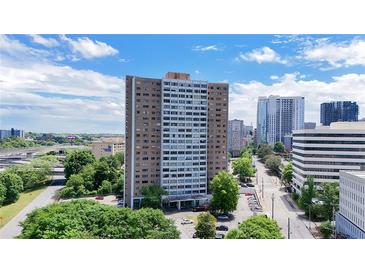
(277, 117)
(350, 220)
(176, 136)
(107, 146)
(236, 133)
(340, 111)
(5, 133)
(324, 151)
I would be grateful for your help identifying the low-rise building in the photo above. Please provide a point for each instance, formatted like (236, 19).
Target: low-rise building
(107, 146)
(350, 220)
(322, 152)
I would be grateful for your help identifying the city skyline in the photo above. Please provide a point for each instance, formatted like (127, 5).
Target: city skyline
(53, 83)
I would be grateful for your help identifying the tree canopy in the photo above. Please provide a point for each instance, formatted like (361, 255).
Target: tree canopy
(256, 227)
(152, 196)
(273, 163)
(85, 219)
(287, 174)
(264, 150)
(330, 198)
(205, 228)
(243, 167)
(279, 147)
(76, 160)
(10, 187)
(225, 192)
(308, 193)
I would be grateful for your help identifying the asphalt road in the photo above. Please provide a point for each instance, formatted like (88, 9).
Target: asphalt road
(284, 208)
(12, 228)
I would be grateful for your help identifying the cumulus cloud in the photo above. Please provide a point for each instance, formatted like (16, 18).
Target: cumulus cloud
(262, 55)
(88, 48)
(243, 96)
(47, 42)
(336, 55)
(42, 96)
(206, 48)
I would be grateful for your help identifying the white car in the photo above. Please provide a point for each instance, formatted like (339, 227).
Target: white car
(186, 222)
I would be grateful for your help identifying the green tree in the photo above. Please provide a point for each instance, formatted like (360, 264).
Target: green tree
(76, 160)
(2, 193)
(205, 228)
(85, 219)
(243, 167)
(264, 151)
(279, 147)
(273, 163)
(330, 196)
(103, 171)
(105, 188)
(152, 196)
(225, 192)
(74, 187)
(287, 174)
(13, 185)
(308, 193)
(256, 227)
(326, 229)
(88, 173)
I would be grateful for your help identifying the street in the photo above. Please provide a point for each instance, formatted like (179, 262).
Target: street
(284, 208)
(12, 228)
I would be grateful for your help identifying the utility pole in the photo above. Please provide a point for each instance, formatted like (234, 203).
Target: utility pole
(272, 205)
(309, 213)
(333, 220)
(288, 228)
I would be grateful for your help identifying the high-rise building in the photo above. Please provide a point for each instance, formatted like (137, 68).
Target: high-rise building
(277, 117)
(4, 133)
(236, 134)
(350, 220)
(340, 111)
(176, 136)
(322, 152)
(310, 125)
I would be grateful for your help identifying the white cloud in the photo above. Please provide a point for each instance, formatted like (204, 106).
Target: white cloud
(197, 72)
(89, 49)
(274, 77)
(345, 87)
(336, 55)
(42, 96)
(47, 42)
(206, 48)
(262, 55)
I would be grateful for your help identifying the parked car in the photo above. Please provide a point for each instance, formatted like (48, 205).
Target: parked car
(222, 218)
(243, 185)
(195, 236)
(222, 228)
(201, 208)
(250, 185)
(99, 197)
(186, 222)
(219, 236)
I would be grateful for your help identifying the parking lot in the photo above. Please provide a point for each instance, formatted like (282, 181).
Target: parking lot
(187, 230)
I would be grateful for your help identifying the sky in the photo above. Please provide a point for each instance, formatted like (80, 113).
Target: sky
(75, 83)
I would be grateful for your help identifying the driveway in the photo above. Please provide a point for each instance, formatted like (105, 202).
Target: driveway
(12, 228)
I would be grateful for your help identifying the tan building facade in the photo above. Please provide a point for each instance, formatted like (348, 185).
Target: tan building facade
(175, 137)
(107, 146)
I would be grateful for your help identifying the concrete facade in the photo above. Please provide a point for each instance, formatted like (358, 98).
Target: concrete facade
(107, 146)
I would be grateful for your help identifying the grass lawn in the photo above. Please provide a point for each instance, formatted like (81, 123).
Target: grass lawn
(9, 211)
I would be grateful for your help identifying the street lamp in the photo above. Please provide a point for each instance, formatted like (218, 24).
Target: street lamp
(272, 205)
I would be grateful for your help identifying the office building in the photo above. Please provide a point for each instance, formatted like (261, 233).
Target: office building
(310, 125)
(4, 133)
(324, 151)
(277, 117)
(236, 134)
(107, 146)
(176, 136)
(350, 220)
(288, 142)
(341, 111)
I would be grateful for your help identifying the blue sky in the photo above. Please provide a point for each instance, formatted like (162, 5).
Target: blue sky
(75, 83)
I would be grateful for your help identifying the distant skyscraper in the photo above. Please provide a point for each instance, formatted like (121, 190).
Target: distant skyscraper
(277, 117)
(176, 136)
(4, 133)
(341, 111)
(236, 132)
(310, 125)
